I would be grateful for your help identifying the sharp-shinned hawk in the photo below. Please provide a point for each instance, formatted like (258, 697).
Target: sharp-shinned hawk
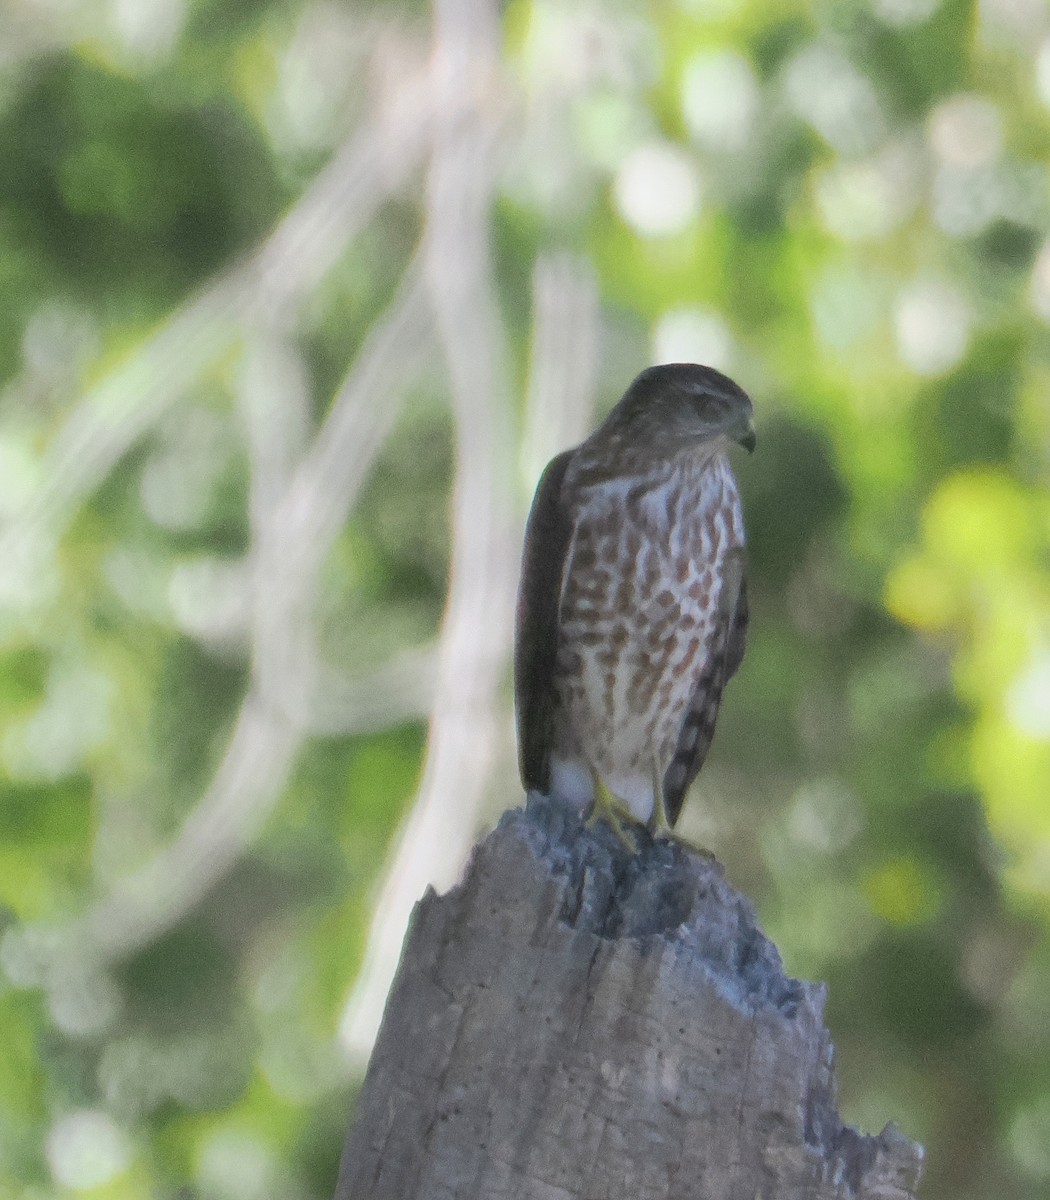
(632, 610)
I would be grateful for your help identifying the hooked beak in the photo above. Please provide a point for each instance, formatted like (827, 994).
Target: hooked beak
(744, 434)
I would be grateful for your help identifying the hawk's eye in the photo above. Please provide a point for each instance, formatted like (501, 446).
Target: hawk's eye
(712, 408)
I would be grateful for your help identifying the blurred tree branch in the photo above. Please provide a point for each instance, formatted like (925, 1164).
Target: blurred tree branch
(563, 361)
(292, 533)
(475, 631)
(265, 288)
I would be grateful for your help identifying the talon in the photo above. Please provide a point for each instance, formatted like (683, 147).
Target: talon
(669, 835)
(665, 833)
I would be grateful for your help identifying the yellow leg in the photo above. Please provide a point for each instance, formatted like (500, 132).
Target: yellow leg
(661, 826)
(658, 823)
(612, 810)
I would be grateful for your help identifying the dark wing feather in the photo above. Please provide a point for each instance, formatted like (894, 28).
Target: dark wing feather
(728, 640)
(548, 535)
(737, 630)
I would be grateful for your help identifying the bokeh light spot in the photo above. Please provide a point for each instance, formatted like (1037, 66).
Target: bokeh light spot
(1028, 699)
(905, 13)
(1009, 23)
(73, 719)
(1029, 1138)
(921, 595)
(1011, 769)
(828, 92)
(1039, 290)
(978, 520)
(209, 598)
(719, 98)
(825, 815)
(20, 473)
(608, 126)
(901, 892)
(148, 29)
(1042, 72)
(58, 340)
(932, 324)
(966, 130)
(847, 305)
(236, 1165)
(83, 1003)
(657, 190)
(692, 335)
(867, 200)
(85, 1149)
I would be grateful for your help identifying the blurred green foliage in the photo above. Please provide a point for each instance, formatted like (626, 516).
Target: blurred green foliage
(846, 204)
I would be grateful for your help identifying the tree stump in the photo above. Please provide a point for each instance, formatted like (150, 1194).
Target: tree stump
(574, 1022)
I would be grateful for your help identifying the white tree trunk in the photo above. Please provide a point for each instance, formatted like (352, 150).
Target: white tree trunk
(576, 1023)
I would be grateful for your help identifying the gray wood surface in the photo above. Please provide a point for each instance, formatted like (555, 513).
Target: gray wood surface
(576, 1023)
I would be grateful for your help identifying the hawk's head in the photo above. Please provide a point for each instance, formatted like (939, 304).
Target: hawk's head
(678, 402)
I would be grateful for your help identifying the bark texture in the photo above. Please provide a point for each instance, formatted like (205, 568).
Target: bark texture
(573, 1022)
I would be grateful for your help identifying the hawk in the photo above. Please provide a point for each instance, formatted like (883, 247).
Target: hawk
(632, 610)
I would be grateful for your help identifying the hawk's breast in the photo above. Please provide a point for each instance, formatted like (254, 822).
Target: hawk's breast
(637, 613)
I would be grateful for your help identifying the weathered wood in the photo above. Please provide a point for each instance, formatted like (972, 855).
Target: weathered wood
(576, 1023)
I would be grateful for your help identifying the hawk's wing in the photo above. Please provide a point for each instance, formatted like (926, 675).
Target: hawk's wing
(548, 536)
(727, 650)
